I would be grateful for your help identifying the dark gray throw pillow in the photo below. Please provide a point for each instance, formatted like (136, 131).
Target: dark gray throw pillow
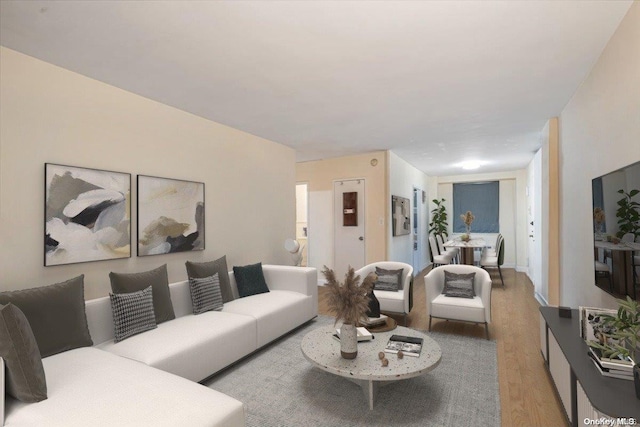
(199, 270)
(205, 294)
(19, 349)
(388, 280)
(250, 280)
(125, 283)
(458, 285)
(132, 313)
(56, 314)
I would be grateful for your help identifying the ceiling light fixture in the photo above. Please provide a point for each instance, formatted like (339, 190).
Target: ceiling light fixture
(470, 165)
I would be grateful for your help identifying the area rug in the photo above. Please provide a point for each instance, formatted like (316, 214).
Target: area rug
(280, 388)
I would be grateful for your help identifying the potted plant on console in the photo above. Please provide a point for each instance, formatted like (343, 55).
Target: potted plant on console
(349, 302)
(624, 336)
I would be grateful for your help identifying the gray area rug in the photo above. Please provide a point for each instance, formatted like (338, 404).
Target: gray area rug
(280, 388)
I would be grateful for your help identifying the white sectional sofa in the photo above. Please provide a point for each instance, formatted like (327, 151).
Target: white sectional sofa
(137, 381)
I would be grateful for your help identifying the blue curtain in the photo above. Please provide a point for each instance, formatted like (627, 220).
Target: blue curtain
(483, 200)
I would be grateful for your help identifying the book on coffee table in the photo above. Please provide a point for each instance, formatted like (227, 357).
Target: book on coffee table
(363, 334)
(375, 321)
(410, 346)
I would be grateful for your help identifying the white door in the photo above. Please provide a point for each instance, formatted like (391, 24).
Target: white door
(534, 226)
(349, 237)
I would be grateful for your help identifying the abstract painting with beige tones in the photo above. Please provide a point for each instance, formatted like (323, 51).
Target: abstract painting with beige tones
(170, 215)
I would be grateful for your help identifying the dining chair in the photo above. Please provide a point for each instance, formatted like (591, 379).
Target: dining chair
(492, 251)
(455, 252)
(436, 257)
(489, 261)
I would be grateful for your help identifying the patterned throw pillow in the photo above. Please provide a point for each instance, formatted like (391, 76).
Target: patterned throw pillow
(458, 285)
(206, 269)
(132, 313)
(205, 294)
(388, 280)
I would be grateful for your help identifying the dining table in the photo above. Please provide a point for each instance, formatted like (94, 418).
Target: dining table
(467, 248)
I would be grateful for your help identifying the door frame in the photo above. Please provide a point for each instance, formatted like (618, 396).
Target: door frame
(308, 219)
(364, 215)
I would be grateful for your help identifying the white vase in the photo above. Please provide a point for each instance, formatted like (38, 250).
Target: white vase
(348, 341)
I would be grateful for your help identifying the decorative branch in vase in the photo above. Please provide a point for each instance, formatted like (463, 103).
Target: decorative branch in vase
(598, 218)
(467, 218)
(350, 303)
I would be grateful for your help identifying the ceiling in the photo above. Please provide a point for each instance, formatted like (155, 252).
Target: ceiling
(437, 82)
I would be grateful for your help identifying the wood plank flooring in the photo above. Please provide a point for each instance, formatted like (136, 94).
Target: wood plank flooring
(527, 395)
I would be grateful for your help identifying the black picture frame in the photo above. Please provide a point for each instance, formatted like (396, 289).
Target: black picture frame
(87, 215)
(171, 215)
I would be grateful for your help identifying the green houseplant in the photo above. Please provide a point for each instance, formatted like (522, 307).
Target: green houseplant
(628, 214)
(625, 336)
(438, 224)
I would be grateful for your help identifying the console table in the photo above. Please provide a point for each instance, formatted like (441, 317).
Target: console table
(584, 392)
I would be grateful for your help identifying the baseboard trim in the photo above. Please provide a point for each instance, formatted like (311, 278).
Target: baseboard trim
(543, 302)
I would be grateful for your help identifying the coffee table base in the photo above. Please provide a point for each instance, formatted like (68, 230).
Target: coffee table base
(369, 388)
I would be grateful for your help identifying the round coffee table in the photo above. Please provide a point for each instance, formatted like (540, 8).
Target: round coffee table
(366, 370)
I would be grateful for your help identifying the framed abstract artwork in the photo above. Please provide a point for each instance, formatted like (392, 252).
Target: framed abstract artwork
(87, 215)
(170, 215)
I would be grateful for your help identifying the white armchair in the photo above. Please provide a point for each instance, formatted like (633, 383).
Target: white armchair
(399, 302)
(476, 309)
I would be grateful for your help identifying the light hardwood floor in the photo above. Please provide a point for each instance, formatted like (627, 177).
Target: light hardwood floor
(527, 396)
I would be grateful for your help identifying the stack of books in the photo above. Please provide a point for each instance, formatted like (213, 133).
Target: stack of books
(363, 334)
(615, 368)
(410, 346)
(375, 321)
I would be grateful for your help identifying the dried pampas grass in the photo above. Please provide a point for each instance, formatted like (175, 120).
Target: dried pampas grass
(348, 300)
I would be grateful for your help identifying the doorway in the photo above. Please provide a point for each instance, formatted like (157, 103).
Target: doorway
(302, 220)
(349, 227)
(417, 238)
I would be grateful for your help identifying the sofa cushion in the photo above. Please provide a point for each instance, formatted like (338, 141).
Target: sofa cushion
(18, 347)
(276, 312)
(206, 269)
(124, 283)
(458, 285)
(56, 314)
(193, 347)
(388, 280)
(132, 313)
(89, 386)
(250, 280)
(469, 309)
(205, 294)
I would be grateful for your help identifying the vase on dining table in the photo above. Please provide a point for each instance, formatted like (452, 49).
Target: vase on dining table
(468, 230)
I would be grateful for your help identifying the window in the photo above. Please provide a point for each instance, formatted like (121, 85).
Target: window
(481, 198)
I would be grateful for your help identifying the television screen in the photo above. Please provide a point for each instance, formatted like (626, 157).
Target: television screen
(616, 228)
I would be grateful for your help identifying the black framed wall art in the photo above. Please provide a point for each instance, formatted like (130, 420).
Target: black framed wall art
(87, 215)
(170, 215)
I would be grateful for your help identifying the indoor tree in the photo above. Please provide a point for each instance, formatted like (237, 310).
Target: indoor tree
(628, 214)
(438, 224)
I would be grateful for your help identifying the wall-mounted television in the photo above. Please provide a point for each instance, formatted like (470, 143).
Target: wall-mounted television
(616, 231)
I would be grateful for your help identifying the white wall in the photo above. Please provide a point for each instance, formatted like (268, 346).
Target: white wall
(50, 114)
(402, 179)
(599, 133)
(513, 208)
